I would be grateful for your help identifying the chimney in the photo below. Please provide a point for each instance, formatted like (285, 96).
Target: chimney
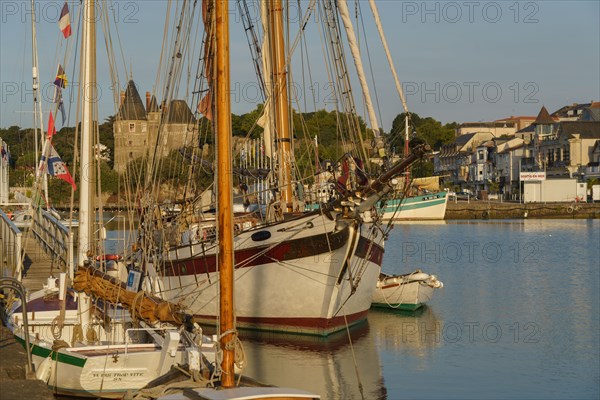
(122, 97)
(147, 101)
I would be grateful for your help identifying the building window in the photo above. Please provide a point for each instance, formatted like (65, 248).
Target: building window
(130, 154)
(480, 154)
(130, 142)
(132, 127)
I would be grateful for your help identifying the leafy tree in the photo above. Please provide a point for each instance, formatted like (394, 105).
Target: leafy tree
(109, 178)
(107, 137)
(422, 169)
(427, 129)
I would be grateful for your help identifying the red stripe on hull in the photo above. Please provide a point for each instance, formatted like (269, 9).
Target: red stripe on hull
(375, 251)
(319, 326)
(390, 286)
(285, 251)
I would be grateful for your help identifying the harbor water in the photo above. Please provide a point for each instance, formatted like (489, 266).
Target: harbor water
(518, 317)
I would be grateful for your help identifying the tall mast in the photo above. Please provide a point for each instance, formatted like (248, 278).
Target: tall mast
(86, 188)
(87, 128)
(37, 104)
(406, 151)
(280, 96)
(224, 192)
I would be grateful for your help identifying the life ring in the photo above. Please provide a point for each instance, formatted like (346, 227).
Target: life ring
(109, 257)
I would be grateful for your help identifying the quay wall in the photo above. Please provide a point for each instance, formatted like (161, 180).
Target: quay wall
(478, 209)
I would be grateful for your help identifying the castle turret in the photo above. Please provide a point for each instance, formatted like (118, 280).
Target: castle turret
(130, 128)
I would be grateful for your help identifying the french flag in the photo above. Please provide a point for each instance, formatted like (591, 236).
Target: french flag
(64, 23)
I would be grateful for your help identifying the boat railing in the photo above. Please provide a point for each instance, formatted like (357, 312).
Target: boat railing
(55, 239)
(11, 248)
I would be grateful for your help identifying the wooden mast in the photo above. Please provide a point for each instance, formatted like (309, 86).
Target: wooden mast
(224, 190)
(280, 96)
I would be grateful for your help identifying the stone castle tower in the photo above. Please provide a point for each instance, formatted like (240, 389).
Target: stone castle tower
(136, 126)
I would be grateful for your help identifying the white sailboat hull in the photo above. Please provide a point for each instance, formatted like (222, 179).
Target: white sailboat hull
(97, 374)
(309, 276)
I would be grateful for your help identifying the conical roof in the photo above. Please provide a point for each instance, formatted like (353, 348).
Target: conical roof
(179, 113)
(132, 107)
(543, 117)
(153, 106)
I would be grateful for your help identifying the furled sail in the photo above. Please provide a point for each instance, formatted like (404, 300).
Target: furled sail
(345, 14)
(96, 283)
(265, 119)
(205, 104)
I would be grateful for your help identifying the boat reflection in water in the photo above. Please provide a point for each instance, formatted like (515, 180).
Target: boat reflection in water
(406, 335)
(325, 366)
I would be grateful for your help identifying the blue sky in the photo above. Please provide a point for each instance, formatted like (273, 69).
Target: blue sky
(459, 60)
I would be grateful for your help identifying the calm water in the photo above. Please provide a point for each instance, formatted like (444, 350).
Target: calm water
(518, 318)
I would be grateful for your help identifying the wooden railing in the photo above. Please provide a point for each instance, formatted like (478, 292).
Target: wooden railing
(54, 238)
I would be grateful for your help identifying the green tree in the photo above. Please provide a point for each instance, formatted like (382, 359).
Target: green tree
(427, 129)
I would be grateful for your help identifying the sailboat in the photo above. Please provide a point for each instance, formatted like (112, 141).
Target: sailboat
(416, 199)
(120, 339)
(224, 385)
(295, 271)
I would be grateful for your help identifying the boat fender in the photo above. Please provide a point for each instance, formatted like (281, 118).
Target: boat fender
(44, 369)
(435, 283)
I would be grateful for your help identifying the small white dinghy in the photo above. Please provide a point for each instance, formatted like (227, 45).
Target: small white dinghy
(405, 292)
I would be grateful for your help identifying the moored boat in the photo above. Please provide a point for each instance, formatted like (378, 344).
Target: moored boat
(405, 292)
(100, 360)
(295, 270)
(431, 206)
